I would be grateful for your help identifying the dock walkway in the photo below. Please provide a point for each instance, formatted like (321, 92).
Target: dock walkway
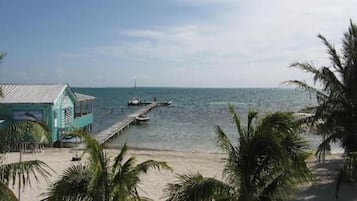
(121, 125)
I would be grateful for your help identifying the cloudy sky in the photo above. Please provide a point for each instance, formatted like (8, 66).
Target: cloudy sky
(166, 43)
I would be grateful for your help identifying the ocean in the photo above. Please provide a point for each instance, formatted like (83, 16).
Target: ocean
(189, 123)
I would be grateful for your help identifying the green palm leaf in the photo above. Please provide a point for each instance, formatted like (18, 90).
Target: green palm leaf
(98, 181)
(223, 141)
(72, 185)
(6, 194)
(267, 163)
(118, 159)
(150, 164)
(23, 171)
(334, 57)
(195, 187)
(336, 113)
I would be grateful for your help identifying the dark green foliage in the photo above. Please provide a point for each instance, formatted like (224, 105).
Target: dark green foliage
(335, 116)
(23, 171)
(22, 131)
(6, 194)
(195, 187)
(336, 93)
(350, 168)
(99, 180)
(266, 164)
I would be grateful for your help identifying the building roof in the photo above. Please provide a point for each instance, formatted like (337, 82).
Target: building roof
(83, 97)
(25, 93)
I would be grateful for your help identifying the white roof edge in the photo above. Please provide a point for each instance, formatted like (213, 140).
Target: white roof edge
(62, 90)
(81, 97)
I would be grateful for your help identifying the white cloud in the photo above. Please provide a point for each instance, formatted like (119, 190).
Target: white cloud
(209, 2)
(252, 39)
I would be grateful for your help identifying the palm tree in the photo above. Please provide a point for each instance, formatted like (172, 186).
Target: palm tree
(335, 116)
(99, 180)
(336, 93)
(2, 55)
(267, 163)
(21, 172)
(17, 132)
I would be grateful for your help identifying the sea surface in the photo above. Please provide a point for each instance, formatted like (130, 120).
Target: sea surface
(189, 123)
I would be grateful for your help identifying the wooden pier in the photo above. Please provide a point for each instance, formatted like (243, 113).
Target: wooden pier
(121, 125)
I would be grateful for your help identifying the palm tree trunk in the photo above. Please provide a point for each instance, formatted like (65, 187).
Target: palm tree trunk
(324, 151)
(19, 181)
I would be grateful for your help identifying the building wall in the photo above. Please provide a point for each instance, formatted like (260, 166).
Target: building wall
(63, 115)
(80, 122)
(42, 112)
(58, 116)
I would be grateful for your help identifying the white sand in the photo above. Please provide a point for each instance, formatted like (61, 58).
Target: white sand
(209, 165)
(152, 184)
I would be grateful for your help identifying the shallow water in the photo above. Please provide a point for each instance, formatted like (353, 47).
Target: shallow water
(189, 123)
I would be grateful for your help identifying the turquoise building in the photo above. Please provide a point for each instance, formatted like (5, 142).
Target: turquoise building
(56, 105)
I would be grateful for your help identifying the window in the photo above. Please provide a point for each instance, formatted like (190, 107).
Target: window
(67, 116)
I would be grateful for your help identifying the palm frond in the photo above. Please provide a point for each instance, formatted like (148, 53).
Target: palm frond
(334, 57)
(335, 115)
(98, 166)
(350, 45)
(125, 180)
(98, 157)
(6, 194)
(236, 120)
(223, 141)
(267, 163)
(119, 158)
(325, 145)
(305, 67)
(251, 116)
(194, 187)
(305, 86)
(146, 165)
(330, 81)
(23, 171)
(72, 185)
(25, 130)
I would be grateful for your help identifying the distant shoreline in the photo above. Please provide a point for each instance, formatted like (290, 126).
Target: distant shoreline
(148, 87)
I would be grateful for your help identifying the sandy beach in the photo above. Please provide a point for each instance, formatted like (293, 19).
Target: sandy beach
(209, 164)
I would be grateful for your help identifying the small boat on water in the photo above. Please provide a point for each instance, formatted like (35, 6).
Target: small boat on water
(142, 118)
(166, 103)
(134, 102)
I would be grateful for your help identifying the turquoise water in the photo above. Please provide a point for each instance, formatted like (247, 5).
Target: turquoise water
(189, 123)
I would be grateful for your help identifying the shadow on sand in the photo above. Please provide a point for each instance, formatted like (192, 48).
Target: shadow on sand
(325, 185)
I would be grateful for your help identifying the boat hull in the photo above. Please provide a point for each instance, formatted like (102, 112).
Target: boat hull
(142, 118)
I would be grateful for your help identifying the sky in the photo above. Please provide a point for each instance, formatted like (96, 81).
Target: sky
(167, 43)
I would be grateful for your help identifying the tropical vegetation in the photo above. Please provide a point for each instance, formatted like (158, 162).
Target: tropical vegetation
(99, 180)
(267, 163)
(22, 172)
(335, 87)
(16, 132)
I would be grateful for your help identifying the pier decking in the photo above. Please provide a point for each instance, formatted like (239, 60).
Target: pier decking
(121, 125)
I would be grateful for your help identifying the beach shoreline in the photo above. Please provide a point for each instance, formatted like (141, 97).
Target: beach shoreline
(152, 185)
